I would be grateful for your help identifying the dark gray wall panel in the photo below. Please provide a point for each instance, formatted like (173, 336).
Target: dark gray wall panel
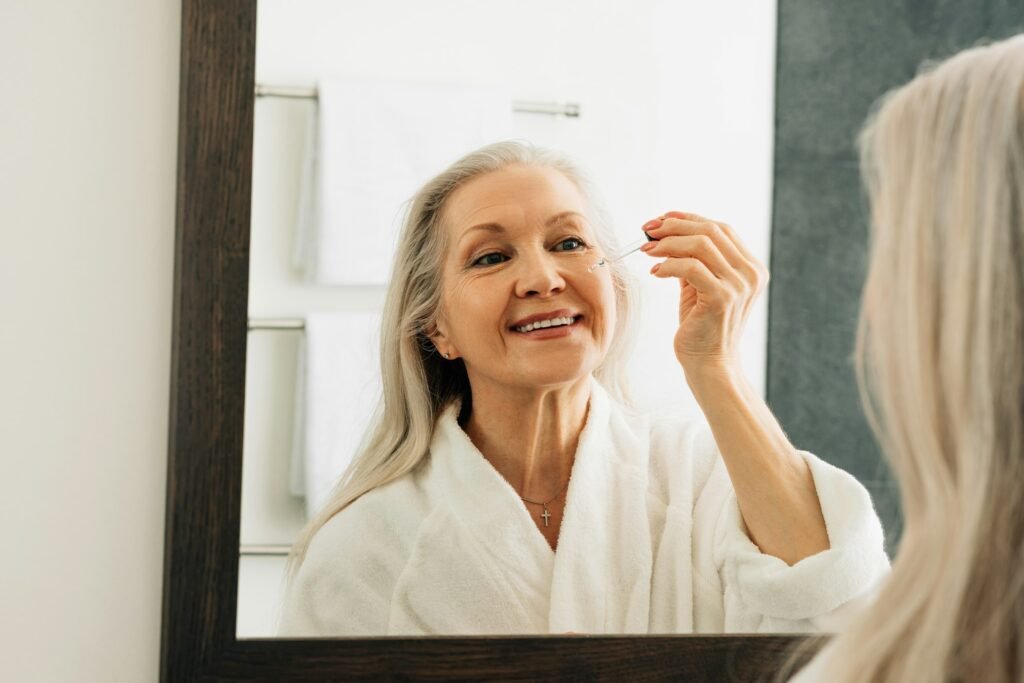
(834, 60)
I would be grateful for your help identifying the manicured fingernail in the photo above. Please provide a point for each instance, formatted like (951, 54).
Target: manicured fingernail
(651, 225)
(655, 268)
(648, 246)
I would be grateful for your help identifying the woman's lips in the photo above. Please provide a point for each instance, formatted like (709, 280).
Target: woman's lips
(551, 332)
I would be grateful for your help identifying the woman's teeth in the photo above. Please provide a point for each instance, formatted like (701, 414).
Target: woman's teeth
(554, 322)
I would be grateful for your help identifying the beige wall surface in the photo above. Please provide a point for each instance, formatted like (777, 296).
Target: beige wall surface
(88, 130)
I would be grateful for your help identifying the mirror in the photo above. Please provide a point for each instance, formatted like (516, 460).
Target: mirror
(602, 83)
(205, 439)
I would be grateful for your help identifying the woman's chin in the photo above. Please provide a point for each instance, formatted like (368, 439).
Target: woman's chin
(551, 377)
(537, 370)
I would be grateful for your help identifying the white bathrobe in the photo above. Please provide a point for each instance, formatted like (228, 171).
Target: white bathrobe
(652, 541)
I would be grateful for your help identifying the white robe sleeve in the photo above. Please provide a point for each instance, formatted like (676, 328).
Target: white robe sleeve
(739, 589)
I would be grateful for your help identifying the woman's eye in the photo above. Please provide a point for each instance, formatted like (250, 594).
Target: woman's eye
(492, 259)
(573, 242)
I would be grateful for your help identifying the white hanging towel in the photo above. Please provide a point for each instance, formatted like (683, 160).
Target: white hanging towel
(337, 389)
(374, 144)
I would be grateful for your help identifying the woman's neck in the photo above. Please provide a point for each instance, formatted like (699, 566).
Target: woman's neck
(529, 435)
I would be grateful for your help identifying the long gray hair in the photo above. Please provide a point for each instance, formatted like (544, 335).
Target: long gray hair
(940, 365)
(417, 383)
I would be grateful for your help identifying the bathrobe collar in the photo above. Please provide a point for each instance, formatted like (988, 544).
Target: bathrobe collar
(599, 579)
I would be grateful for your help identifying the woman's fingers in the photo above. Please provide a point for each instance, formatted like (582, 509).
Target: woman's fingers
(700, 247)
(675, 224)
(750, 270)
(693, 271)
(725, 227)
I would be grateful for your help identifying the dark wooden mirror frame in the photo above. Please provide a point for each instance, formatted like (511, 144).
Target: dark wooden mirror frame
(200, 590)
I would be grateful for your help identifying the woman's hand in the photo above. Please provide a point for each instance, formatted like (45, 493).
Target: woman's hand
(719, 280)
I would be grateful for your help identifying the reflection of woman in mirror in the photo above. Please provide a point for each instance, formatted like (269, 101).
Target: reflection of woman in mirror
(505, 486)
(940, 359)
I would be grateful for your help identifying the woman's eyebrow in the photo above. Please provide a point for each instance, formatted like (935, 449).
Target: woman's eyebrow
(498, 228)
(565, 214)
(489, 227)
(495, 228)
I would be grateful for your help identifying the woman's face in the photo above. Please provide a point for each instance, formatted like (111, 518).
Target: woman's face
(520, 245)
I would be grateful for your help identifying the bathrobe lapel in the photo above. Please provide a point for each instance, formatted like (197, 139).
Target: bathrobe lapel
(602, 572)
(500, 557)
(599, 580)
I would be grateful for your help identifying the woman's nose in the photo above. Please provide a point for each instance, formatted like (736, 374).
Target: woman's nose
(538, 275)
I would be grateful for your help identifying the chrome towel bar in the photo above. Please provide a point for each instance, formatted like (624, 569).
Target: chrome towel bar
(569, 109)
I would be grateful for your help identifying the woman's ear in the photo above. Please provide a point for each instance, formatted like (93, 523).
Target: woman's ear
(436, 334)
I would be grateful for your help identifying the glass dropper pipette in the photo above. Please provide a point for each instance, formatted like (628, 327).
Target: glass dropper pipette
(622, 253)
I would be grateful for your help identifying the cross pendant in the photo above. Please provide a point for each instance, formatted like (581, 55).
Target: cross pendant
(545, 515)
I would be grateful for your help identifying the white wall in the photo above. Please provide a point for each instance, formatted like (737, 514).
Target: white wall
(88, 130)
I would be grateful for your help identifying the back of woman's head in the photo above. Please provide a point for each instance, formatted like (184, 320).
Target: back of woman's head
(940, 361)
(417, 382)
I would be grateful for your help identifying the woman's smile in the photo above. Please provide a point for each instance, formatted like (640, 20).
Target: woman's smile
(553, 332)
(553, 325)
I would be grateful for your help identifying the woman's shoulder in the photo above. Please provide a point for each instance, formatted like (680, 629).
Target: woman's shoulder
(383, 521)
(670, 432)
(681, 451)
(344, 583)
(675, 424)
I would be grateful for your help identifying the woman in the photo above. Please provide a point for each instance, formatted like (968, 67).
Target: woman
(941, 368)
(500, 442)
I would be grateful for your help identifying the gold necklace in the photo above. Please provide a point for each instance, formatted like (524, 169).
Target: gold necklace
(547, 515)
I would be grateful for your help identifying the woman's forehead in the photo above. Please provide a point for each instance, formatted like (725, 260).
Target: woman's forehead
(514, 194)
